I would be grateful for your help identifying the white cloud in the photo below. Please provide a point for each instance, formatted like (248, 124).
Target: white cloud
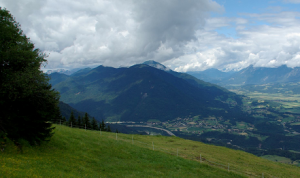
(260, 45)
(114, 33)
(179, 34)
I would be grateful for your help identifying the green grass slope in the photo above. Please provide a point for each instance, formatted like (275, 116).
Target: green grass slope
(80, 153)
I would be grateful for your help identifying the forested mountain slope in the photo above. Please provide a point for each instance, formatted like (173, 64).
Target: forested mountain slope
(143, 92)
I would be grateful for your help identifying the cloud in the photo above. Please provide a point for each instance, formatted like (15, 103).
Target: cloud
(262, 45)
(180, 34)
(292, 1)
(114, 33)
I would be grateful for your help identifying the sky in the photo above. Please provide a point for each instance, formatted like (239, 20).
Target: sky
(190, 35)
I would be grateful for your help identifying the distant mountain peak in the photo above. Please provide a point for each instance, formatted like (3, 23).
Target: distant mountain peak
(63, 71)
(264, 75)
(213, 69)
(156, 65)
(143, 92)
(151, 62)
(283, 66)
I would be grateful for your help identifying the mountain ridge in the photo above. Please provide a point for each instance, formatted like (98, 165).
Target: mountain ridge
(250, 75)
(142, 92)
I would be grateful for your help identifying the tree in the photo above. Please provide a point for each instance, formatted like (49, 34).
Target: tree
(72, 120)
(86, 121)
(108, 128)
(94, 124)
(79, 121)
(102, 126)
(63, 119)
(27, 102)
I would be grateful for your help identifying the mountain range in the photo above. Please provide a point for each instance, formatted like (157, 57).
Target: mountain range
(63, 71)
(211, 75)
(250, 75)
(144, 92)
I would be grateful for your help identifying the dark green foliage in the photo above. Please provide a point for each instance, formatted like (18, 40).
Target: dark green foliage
(266, 128)
(3, 141)
(124, 129)
(63, 120)
(27, 101)
(282, 142)
(295, 127)
(108, 129)
(72, 120)
(102, 126)
(66, 110)
(83, 122)
(79, 122)
(86, 121)
(58, 119)
(105, 127)
(94, 124)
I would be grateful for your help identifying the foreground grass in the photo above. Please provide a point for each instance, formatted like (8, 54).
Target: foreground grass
(80, 153)
(239, 161)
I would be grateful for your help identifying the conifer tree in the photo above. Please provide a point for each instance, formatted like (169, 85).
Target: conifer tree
(94, 124)
(79, 122)
(27, 101)
(102, 126)
(63, 120)
(86, 121)
(108, 128)
(57, 119)
(72, 120)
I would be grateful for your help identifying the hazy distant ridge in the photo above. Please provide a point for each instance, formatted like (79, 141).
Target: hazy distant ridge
(250, 75)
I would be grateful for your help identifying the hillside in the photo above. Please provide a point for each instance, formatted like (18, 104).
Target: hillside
(66, 110)
(80, 153)
(143, 93)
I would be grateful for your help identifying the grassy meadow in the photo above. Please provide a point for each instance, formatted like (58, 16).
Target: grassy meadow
(80, 153)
